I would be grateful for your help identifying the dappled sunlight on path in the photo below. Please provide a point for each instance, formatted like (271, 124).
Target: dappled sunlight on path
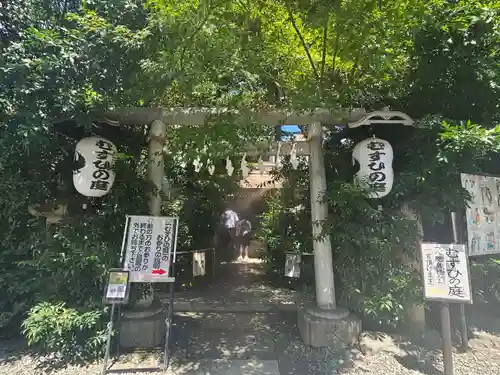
(239, 286)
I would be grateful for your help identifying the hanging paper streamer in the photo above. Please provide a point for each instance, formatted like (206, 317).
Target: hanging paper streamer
(244, 166)
(229, 166)
(197, 165)
(278, 159)
(261, 165)
(293, 156)
(292, 265)
(210, 167)
(199, 264)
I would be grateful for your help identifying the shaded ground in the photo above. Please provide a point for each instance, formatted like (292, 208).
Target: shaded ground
(238, 286)
(240, 320)
(239, 324)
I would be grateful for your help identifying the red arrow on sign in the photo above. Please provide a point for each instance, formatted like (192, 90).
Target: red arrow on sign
(159, 272)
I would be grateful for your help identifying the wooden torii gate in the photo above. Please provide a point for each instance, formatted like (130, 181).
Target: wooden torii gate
(323, 322)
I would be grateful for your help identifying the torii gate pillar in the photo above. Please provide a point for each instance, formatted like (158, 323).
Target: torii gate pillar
(323, 324)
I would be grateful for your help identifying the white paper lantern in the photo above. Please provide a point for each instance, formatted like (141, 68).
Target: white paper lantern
(375, 157)
(94, 175)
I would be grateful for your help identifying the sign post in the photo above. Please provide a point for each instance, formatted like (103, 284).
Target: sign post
(116, 292)
(446, 279)
(463, 318)
(148, 255)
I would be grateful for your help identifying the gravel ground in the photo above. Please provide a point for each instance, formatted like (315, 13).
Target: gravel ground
(404, 358)
(472, 363)
(416, 361)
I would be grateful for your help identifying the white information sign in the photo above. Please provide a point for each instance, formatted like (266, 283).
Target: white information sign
(150, 248)
(199, 263)
(292, 265)
(446, 273)
(483, 215)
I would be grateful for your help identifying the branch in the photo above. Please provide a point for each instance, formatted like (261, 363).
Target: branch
(335, 48)
(337, 37)
(323, 53)
(306, 49)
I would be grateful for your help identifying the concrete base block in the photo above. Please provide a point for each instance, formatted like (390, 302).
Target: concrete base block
(142, 330)
(324, 328)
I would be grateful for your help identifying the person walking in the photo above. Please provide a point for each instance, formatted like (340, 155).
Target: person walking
(229, 219)
(243, 236)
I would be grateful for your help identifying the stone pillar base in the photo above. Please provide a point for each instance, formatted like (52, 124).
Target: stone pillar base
(328, 328)
(142, 329)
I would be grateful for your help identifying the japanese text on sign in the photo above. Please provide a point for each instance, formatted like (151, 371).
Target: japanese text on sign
(446, 273)
(150, 242)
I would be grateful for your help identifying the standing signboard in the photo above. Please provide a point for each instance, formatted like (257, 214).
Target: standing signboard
(148, 256)
(446, 273)
(483, 215)
(446, 278)
(150, 248)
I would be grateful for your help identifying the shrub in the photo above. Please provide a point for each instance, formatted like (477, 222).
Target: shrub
(68, 333)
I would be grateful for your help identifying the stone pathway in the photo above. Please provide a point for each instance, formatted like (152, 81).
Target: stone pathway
(238, 324)
(238, 287)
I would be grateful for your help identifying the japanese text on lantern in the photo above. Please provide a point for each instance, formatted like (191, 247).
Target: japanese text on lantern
(377, 176)
(103, 166)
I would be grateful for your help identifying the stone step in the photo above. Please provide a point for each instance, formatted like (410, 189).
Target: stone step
(254, 305)
(224, 336)
(218, 344)
(224, 367)
(241, 322)
(149, 362)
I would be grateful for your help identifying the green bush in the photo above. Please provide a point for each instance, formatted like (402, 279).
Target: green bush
(69, 333)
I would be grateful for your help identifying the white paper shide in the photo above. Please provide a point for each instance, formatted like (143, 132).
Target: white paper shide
(94, 175)
(375, 157)
(446, 273)
(199, 264)
(292, 265)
